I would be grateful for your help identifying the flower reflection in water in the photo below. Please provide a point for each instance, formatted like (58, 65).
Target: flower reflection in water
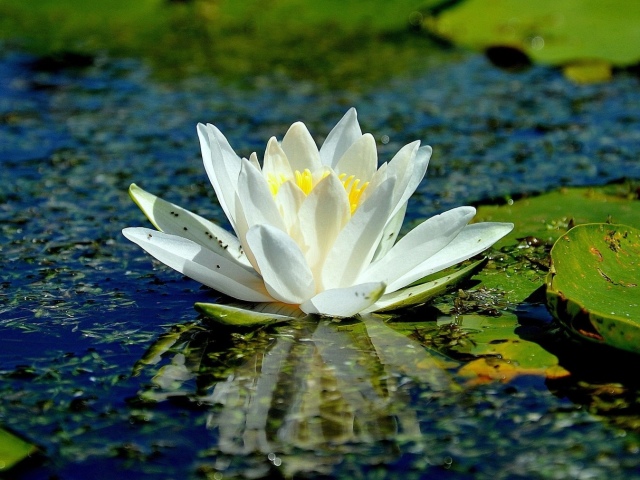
(304, 395)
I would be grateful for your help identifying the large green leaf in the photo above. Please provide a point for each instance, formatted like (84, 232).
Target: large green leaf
(548, 216)
(593, 287)
(13, 449)
(521, 264)
(548, 31)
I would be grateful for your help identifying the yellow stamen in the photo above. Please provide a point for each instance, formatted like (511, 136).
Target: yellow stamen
(304, 180)
(351, 186)
(275, 181)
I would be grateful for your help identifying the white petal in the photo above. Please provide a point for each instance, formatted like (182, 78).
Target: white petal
(356, 243)
(200, 264)
(390, 233)
(472, 240)
(256, 201)
(288, 200)
(415, 175)
(175, 220)
(344, 302)
(360, 160)
(253, 160)
(301, 149)
(275, 161)
(418, 245)
(222, 166)
(343, 135)
(284, 269)
(322, 216)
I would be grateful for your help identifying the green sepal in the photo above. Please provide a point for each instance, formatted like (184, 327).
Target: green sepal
(249, 315)
(427, 289)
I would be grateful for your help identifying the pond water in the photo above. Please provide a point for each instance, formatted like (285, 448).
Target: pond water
(105, 365)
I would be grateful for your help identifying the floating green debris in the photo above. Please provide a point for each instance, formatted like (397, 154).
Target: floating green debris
(588, 35)
(593, 287)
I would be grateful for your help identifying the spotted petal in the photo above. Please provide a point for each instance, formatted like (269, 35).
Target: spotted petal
(200, 264)
(175, 220)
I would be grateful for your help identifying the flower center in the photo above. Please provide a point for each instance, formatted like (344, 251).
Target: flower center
(305, 181)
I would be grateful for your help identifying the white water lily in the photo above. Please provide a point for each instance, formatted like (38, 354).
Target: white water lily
(315, 229)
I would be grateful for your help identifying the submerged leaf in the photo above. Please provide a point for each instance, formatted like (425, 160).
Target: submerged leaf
(593, 288)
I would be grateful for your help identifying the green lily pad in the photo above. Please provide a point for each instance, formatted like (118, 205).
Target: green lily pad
(548, 216)
(548, 31)
(593, 287)
(13, 450)
(520, 265)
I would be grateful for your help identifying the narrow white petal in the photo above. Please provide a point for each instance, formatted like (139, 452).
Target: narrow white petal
(322, 216)
(201, 264)
(343, 135)
(417, 170)
(418, 245)
(344, 302)
(407, 167)
(380, 176)
(288, 200)
(472, 240)
(175, 220)
(222, 166)
(360, 160)
(256, 200)
(390, 233)
(253, 160)
(286, 274)
(356, 243)
(301, 149)
(275, 162)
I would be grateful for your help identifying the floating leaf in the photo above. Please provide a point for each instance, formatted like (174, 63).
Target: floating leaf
(548, 216)
(13, 449)
(547, 31)
(593, 287)
(503, 351)
(588, 71)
